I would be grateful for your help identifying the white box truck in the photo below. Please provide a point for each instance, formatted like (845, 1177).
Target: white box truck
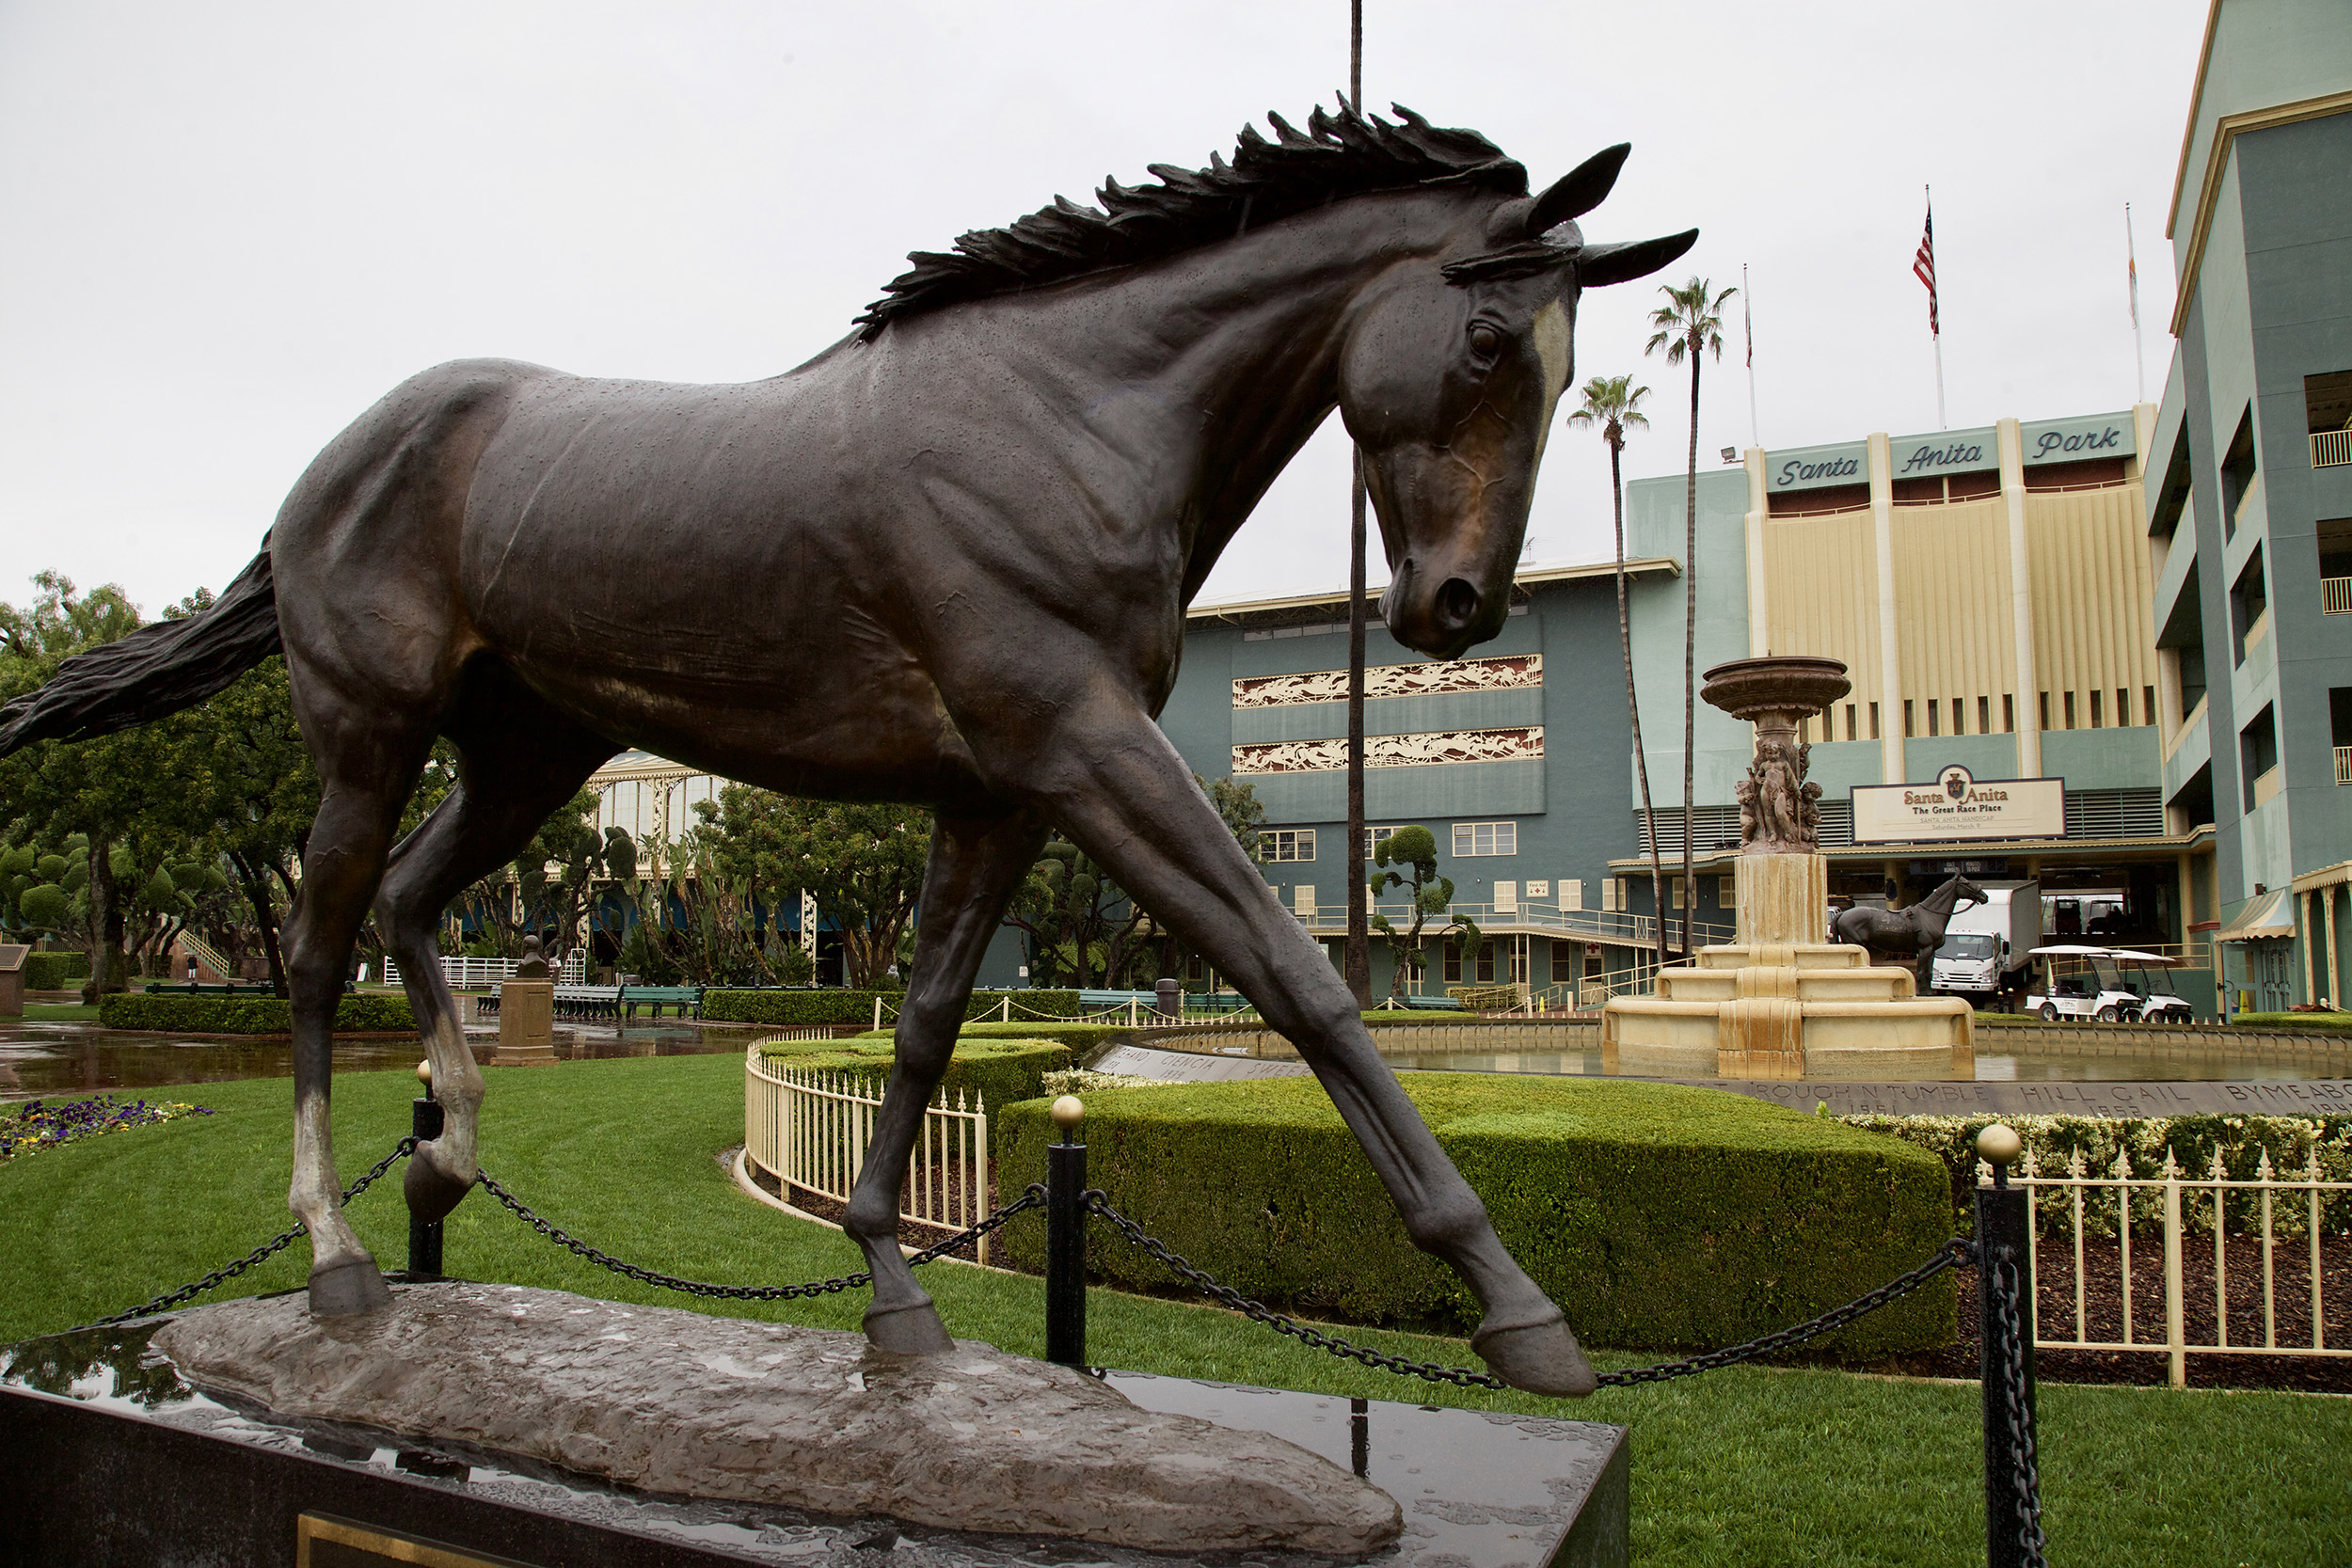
(1985, 946)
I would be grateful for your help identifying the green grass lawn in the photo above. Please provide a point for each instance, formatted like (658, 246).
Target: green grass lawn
(1745, 1466)
(60, 1012)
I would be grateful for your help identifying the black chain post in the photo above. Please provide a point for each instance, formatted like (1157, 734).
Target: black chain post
(2013, 1502)
(1066, 1240)
(425, 1241)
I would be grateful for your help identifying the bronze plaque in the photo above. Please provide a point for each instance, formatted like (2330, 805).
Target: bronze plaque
(322, 1541)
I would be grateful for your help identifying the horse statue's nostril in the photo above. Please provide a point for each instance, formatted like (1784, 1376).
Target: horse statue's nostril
(1456, 604)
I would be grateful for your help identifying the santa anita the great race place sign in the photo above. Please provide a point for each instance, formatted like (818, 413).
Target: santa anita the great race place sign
(1959, 805)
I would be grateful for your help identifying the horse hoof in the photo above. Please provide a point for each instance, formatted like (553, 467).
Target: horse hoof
(431, 1192)
(340, 1289)
(907, 1330)
(1541, 1357)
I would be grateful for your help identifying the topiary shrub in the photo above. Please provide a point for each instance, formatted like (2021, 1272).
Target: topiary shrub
(1657, 1216)
(54, 971)
(787, 1007)
(365, 1013)
(1000, 1071)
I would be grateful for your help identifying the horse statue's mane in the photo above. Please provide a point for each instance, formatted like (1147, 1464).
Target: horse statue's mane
(1338, 155)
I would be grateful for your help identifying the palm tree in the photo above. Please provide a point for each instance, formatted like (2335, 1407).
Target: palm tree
(1614, 404)
(1687, 323)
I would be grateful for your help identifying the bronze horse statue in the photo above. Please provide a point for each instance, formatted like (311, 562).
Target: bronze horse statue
(1911, 934)
(947, 561)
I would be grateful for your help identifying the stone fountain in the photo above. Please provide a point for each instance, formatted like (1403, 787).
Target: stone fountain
(1782, 1001)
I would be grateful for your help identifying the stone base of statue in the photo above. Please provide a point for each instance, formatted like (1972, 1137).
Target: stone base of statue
(498, 1424)
(1782, 1001)
(526, 1022)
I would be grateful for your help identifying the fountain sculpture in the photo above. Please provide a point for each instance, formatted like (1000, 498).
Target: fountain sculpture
(1782, 1001)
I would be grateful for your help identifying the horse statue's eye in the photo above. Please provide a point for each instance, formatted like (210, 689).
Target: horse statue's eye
(1484, 340)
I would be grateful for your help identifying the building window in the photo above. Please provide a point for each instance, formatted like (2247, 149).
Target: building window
(1908, 731)
(2009, 713)
(1286, 844)
(2249, 602)
(1960, 718)
(1673, 893)
(1506, 898)
(1372, 840)
(1726, 892)
(2070, 711)
(1571, 892)
(2258, 748)
(2095, 709)
(1479, 971)
(2148, 704)
(2237, 472)
(1934, 718)
(1874, 720)
(1984, 715)
(1610, 895)
(1850, 720)
(1303, 899)
(1485, 838)
(2045, 712)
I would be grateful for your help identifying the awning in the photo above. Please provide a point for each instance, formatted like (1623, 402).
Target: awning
(2269, 918)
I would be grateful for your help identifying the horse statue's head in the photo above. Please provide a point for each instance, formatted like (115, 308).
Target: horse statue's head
(1448, 382)
(1965, 893)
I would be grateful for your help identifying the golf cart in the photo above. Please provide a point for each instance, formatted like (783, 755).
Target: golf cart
(2111, 985)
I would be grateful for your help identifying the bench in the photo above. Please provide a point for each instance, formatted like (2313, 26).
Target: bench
(658, 997)
(217, 988)
(574, 1001)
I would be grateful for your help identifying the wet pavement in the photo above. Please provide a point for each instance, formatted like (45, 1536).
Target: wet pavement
(38, 1059)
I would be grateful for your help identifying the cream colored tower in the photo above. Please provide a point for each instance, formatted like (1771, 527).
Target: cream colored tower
(1782, 1001)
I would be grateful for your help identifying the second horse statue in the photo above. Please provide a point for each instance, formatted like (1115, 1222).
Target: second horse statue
(947, 561)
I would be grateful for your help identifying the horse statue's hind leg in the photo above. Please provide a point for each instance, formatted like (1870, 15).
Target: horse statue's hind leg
(1110, 779)
(365, 777)
(517, 760)
(975, 863)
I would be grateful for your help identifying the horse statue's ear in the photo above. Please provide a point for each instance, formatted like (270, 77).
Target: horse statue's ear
(1578, 191)
(1604, 264)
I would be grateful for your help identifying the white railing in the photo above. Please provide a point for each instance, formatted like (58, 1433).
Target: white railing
(810, 1132)
(2331, 449)
(2175, 1204)
(2335, 595)
(2344, 764)
(192, 943)
(463, 974)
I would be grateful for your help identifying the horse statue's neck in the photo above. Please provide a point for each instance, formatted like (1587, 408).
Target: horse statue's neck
(1201, 374)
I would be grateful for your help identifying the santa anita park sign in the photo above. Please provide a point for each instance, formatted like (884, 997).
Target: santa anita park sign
(1959, 806)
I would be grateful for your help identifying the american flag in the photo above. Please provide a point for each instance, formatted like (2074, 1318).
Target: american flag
(1923, 268)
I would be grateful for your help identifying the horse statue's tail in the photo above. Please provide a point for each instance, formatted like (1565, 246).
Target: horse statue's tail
(156, 670)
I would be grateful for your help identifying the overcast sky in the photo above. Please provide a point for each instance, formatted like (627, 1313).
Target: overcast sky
(230, 228)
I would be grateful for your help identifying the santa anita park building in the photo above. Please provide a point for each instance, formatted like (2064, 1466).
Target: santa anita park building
(2135, 625)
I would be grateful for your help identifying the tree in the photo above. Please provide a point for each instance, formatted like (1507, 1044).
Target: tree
(1415, 849)
(1614, 404)
(1082, 922)
(862, 864)
(1691, 322)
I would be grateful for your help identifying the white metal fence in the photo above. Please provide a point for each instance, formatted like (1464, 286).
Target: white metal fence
(2176, 1209)
(463, 974)
(810, 1131)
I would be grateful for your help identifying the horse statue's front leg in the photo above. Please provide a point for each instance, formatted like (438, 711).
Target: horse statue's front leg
(976, 863)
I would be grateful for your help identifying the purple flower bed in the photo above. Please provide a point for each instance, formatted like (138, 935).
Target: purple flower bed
(46, 1124)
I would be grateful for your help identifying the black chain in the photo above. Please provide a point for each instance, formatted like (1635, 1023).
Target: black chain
(1952, 1255)
(276, 1243)
(1034, 1197)
(2026, 1475)
(1282, 1323)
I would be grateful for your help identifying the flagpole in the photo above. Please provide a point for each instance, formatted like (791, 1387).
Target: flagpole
(1747, 312)
(1936, 327)
(2131, 267)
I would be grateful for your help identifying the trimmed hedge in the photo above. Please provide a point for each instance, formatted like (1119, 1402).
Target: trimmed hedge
(786, 1007)
(2325, 1024)
(364, 1013)
(1001, 1072)
(1657, 1215)
(54, 971)
(1079, 1037)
